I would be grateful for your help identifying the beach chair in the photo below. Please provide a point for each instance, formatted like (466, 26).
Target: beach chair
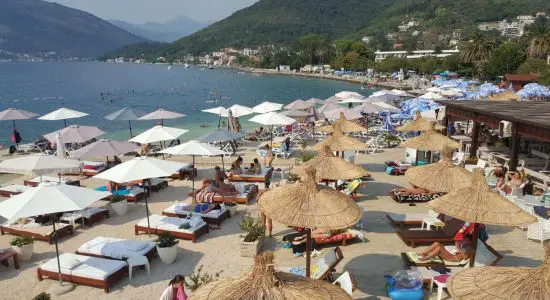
(404, 220)
(176, 226)
(539, 231)
(117, 249)
(352, 187)
(215, 217)
(444, 235)
(346, 282)
(30, 147)
(85, 270)
(322, 268)
(42, 232)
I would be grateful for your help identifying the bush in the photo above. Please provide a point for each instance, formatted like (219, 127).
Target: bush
(307, 156)
(197, 279)
(42, 296)
(166, 240)
(117, 198)
(292, 177)
(254, 230)
(21, 241)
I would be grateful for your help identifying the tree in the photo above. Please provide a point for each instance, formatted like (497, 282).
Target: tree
(352, 55)
(505, 59)
(311, 45)
(539, 34)
(532, 66)
(477, 49)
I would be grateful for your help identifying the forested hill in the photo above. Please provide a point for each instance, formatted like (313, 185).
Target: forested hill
(283, 21)
(33, 26)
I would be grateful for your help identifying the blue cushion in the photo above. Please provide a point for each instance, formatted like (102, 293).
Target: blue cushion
(541, 211)
(391, 171)
(402, 294)
(101, 188)
(121, 192)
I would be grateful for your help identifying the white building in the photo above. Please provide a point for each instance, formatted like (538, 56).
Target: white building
(381, 55)
(251, 52)
(285, 68)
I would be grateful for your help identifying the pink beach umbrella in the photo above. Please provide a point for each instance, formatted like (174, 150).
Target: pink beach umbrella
(298, 104)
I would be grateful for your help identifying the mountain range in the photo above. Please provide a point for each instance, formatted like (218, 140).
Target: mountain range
(36, 26)
(283, 21)
(163, 32)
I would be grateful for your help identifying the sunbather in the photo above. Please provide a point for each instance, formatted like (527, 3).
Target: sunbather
(235, 169)
(412, 191)
(517, 181)
(461, 251)
(255, 168)
(202, 208)
(317, 234)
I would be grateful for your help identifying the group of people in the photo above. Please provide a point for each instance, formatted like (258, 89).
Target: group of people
(509, 181)
(255, 168)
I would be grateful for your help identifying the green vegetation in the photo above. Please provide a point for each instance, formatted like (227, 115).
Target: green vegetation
(198, 278)
(166, 240)
(145, 50)
(253, 228)
(21, 241)
(42, 296)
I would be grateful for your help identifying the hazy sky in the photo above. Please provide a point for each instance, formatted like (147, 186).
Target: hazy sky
(141, 11)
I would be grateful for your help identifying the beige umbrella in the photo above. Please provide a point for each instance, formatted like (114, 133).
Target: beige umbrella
(419, 124)
(264, 283)
(345, 126)
(309, 205)
(330, 167)
(430, 141)
(339, 142)
(442, 176)
(503, 282)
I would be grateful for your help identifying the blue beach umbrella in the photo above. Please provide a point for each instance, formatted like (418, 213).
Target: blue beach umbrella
(388, 125)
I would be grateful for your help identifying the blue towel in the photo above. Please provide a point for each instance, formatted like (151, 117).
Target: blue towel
(101, 188)
(121, 192)
(541, 211)
(200, 207)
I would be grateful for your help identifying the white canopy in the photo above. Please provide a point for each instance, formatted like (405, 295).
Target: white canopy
(11, 114)
(272, 118)
(387, 107)
(266, 107)
(347, 94)
(140, 168)
(39, 164)
(104, 148)
(328, 106)
(162, 114)
(63, 114)
(220, 110)
(432, 96)
(158, 133)
(369, 108)
(299, 104)
(75, 134)
(49, 198)
(401, 93)
(238, 111)
(315, 101)
(348, 114)
(352, 100)
(194, 147)
(125, 114)
(383, 96)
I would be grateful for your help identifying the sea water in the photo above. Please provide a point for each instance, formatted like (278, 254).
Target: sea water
(102, 88)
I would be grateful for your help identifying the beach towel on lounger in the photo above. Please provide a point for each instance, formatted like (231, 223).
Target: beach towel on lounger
(204, 196)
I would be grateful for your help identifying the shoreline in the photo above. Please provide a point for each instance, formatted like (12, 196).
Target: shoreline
(357, 80)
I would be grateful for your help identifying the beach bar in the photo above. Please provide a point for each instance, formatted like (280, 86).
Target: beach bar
(528, 120)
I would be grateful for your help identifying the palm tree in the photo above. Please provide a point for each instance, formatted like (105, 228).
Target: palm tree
(539, 46)
(477, 49)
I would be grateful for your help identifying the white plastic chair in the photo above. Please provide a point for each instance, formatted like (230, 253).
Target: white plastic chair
(539, 231)
(345, 281)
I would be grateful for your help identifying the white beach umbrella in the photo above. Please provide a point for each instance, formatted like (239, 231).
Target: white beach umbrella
(347, 94)
(452, 92)
(60, 146)
(272, 118)
(315, 101)
(39, 164)
(382, 96)
(434, 89)
(162, 114)
(50, 199)
(63, 114)
(332, 99)
(104, 148)
(401, 93)
(157, 134)
(369, 108)
(140, 168)
(75, 134)
(220, 110)
(328, 106)
(220, 135)
(348, 114)
(194, 148)
(266, 107)
(352, 100)
(387, 107)
(12, 114)
(298, 104)
(125, 114)
(238, 111)
(432, 96)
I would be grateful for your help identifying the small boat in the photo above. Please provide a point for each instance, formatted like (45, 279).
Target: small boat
(211, 101)
(170, 67)
(211, 67)
(186, 66)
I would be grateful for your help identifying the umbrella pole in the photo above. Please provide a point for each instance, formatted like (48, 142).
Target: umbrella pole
(130, 127)
(56, 249)
(193, 176)
(308, 252)
(223, 165)
(65, 122)
(147, 206)
(475, 239)
(271, 131)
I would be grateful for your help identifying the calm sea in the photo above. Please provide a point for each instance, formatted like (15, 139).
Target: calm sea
(99, 89)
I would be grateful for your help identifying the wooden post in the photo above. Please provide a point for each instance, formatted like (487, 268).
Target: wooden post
(475, 238)
(446, 124)
(475, 139)
(308, 252)
(513, 164)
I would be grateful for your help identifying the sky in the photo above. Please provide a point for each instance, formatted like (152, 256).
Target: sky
(142, 11)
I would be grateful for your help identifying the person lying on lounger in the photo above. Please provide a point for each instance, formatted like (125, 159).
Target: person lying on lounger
(202, 208)
(223, 189)
(317, 234)
(412, 191)
(461, 251)
(235, 169)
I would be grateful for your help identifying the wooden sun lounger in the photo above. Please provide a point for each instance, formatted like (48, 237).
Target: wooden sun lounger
(12, 189)
(94, 218)
(253, 178)
(151, 254)
(62, 231)
(210, 220)
(178, 234)
(34, 183)
(238, 198)
(406, 220)
(444, 235)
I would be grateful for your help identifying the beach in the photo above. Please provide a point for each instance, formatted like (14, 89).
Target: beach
(218, 251)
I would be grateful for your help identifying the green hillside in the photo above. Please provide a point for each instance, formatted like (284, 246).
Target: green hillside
(283, 21)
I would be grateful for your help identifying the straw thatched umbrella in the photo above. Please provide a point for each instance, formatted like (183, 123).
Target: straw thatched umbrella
(442, 176)
(339, 142)
(430, 141)
(505, 96)
(345, 126)
(309, 205)
(419, 124)
(264, 283)
(479, 204)
(503, 282)
(330, 167)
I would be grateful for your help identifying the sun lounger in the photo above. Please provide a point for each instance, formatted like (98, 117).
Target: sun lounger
(37, 180)
(119, 249)
(85, 270)
(38, 231)
(243, 197)
(399, 196)
(342, 238)
(186, 172)
(213, 217)
(92, 168)
(162, 224)
(156, 184)
(134, 194)
(444, 235)
(13, 189)
(88, 216)
(404, 220)
(321, 268)
(264, 177)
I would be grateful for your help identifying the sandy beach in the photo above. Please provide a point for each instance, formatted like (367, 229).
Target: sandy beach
(219, 250)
